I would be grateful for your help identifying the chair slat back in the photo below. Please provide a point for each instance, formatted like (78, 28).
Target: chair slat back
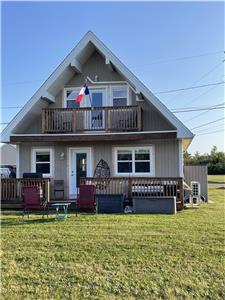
(31, 197)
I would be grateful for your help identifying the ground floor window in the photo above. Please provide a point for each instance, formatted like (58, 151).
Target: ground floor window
(42, 161)
(134, 161)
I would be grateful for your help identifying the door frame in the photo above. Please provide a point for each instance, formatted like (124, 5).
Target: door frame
(89, 166)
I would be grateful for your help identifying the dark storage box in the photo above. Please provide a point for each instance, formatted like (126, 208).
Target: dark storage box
(110, 204)
(154, 205)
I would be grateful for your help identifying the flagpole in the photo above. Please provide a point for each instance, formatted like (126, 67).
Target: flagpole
(86, 80)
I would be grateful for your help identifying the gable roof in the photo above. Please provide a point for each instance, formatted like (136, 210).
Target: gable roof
(76, 58)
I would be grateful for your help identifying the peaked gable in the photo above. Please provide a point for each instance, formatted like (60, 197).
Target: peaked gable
(75, 61)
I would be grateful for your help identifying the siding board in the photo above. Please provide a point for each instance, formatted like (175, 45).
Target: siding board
(197, 173)
(166, 157)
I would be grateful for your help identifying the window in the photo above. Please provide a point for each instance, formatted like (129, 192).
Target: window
(134, 161)
(124, 161)
(70, 96)
(119, 95)
(42, 161)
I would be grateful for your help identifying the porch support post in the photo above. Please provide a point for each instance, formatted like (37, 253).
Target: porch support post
(17, 161)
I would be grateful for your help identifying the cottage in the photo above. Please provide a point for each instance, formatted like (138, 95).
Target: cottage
(120, 123)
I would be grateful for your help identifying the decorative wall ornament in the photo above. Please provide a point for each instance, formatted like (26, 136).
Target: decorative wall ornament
(102, 170)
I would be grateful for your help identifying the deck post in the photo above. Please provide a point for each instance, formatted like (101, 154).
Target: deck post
(129, 188)
(106, 119)
(74, 121)
(139, 118)
(43, 121)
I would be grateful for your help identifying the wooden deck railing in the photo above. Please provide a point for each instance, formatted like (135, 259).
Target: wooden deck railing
(11, 187)
(111, 119)
(139, 187)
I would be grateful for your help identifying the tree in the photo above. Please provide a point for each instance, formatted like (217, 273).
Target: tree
(215, 160)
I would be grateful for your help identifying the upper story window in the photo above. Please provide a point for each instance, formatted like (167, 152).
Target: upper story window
(119, 96)
(70, 95)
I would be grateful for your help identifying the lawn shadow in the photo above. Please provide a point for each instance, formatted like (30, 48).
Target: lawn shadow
(24, 221)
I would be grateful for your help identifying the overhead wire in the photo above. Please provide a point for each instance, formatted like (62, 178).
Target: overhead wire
(205, 124)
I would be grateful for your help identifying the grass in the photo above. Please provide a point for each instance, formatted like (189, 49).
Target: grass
(116, 256)
(216, 178)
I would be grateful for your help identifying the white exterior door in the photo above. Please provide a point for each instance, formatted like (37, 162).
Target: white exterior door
(79, 166)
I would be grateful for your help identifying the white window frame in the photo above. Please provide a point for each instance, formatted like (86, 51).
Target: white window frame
(133, 173)
(108, 93)
(33, 160)
(77, 89)
(118, 87)
(86, 102)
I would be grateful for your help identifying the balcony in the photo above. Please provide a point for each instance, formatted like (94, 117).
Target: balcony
(87, 119)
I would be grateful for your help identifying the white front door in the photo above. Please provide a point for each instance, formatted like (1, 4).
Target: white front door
(79, 166)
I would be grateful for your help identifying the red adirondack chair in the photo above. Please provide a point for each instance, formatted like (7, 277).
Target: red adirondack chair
(32, 200)
(86, 199)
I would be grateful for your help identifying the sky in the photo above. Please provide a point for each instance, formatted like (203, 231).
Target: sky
(167, 45)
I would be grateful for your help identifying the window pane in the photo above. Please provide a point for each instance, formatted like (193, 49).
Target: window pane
(142, 154)
(72, 104)
(120, 102)
(43, 156)
(71, 95)
(142, 167)
(120, 93)
(124, 167)
(97, 99)
(124, 155)
(43, 168)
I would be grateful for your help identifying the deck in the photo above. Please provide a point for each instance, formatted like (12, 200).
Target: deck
(130, 187)
(77, 120)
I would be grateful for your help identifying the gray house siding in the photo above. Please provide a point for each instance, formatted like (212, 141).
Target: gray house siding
(197, 173)
(153, 120)
(166, 157)
(95, 65)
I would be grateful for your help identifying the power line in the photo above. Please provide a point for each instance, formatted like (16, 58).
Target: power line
(191, 110)
(153, 63)
(179, 59)
(190, 88)
(199, 115)
(196, 107)
(206, 92)
(10, 107)
(22, 82)
(203, 76)
(207, 123)
(209, 128)
(210, 132)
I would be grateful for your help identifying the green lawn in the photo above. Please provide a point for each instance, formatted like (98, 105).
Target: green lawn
(116, 256)
(216, 178)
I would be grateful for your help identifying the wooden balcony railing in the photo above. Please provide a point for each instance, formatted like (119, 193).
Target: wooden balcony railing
(139, 187)
(11, 187)
(109, 119)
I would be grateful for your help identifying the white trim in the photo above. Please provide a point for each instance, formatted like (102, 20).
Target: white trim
(181, 160)
(117, 87)
(183, 131)
(17, 161)
(93, 133)
(133, 173)
(49, 97)
(33, 159)
(64, 94)
(69, 152)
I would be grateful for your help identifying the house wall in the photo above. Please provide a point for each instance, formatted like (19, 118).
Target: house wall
(166, 157)
(197, 173)
(95, 65)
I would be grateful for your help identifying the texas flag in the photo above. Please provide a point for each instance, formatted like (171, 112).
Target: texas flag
(84, 91)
